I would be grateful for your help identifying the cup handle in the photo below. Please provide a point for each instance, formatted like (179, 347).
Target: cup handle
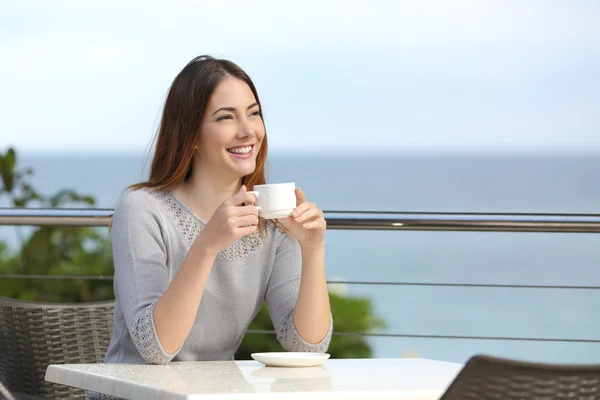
(257, 195)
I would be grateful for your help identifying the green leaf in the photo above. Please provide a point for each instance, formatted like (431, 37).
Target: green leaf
(10, 176)
(68, 196)
(88, 200)
(37, 253)
(20, 202)
(8, 179)
(11, 159)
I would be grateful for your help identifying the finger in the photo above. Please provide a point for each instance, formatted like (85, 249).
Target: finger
(246, 230)
(300, 197)
(244, 210)
(317, 224)
(242, 196)
(302, 208)
(309, 214)
(251, 199)
(247, 220)
(237, 197)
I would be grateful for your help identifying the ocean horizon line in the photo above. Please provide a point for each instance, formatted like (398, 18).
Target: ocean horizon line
(342, 152)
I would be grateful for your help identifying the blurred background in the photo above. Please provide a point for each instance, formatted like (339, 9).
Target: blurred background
(445, 106)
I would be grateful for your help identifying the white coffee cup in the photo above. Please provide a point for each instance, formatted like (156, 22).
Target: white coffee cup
(275, 200)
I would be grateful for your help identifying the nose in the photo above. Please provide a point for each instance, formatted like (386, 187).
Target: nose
(245, 129)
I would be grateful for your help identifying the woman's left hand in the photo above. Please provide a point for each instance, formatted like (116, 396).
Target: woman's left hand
(307, 223)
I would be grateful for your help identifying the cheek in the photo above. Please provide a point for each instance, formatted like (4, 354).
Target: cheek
(259, 129)
(215, 138)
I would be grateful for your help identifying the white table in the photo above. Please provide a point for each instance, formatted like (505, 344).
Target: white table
(404, 378)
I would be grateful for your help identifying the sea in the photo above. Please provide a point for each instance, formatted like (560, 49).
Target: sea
(526, 182)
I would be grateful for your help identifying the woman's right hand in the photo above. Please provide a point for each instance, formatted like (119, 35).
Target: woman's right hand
(230, 221)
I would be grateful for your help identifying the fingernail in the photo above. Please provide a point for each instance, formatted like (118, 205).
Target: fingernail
(295, 213)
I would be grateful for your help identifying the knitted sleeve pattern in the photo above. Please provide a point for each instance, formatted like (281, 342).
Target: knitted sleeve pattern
(141, 273)
(281, 297)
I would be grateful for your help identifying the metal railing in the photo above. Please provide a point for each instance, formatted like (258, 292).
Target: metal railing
(351, 220)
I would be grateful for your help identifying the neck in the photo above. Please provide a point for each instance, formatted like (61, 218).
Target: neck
(206, 190)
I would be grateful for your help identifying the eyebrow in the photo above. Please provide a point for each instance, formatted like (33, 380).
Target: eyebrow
(232, 109)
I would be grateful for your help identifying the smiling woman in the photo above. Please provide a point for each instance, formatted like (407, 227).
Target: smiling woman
(193, 260)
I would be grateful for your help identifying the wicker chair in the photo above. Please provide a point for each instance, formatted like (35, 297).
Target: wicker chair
(4, 393)
(35, 334)
(486, 377)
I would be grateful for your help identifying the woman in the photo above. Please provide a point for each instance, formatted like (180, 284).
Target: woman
(193, 260)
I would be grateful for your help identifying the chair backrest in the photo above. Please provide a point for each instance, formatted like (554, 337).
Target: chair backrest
(487, 377)
(36, 334)
(4, 393)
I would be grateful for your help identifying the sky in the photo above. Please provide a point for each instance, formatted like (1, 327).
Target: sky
(335, 76)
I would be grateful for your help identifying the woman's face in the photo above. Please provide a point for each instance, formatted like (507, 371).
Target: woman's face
(232, 130)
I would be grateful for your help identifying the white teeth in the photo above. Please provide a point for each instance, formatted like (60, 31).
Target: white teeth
(241, 150)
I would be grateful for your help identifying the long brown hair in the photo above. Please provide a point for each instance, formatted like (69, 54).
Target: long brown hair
(182, 118)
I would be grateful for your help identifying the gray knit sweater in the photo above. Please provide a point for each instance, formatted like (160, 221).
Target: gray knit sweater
(151, 234)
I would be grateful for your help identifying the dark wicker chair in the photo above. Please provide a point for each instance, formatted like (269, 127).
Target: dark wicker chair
(36, 334)
(485, 378)
(4, 393)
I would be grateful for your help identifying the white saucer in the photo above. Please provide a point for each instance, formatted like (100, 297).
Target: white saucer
(290, 359)
(276, 213)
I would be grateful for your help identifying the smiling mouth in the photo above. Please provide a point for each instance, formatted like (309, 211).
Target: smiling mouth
(240, 150)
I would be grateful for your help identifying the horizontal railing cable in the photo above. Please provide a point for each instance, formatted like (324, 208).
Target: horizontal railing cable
(334, 282)
(463, 337)
(349, 220)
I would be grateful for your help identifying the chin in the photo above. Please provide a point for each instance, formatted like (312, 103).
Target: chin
(240, 167)
(241, 172)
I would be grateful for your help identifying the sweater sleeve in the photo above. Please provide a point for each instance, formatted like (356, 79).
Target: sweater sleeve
(281, 297)
(141, 273)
